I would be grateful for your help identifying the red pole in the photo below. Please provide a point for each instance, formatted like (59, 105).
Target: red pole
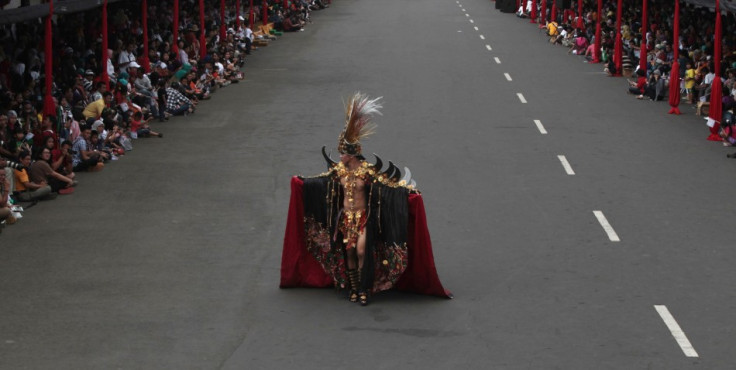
(554, 11)
(202, 40)
(251, 16)
(715, 111)
(643, 45)
(675, 71)
(597, 51)
(105, 57)
(49, 108)
(543, 13)
(144, 19)
(265, 12)
(618, 47)
(237, 14)
(286, 5)
(175, 39)
(581, 25)
(533, 13)
(223, 33)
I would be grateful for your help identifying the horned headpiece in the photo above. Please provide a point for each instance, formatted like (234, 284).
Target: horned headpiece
(358, 125)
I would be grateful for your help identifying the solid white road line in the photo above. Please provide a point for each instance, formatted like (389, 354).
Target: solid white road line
(521, 97)
(488, 47)
(679, 335)
(482, 37)
(508, 76)
(498, 61)
(540, 127)
(606, 226)
(566, 164)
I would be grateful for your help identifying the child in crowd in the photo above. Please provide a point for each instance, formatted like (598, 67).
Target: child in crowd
(141, 128)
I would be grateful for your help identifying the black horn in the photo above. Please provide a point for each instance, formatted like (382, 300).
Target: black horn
(379, 163)
(397, 172)
(390, 170)
(330, 162)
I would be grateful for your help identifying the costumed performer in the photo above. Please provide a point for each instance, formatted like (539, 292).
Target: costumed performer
(357, 227)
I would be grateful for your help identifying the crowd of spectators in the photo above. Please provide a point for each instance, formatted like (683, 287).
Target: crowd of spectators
(96, 122)
(695, 43)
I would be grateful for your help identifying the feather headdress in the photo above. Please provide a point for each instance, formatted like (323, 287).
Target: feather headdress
(358, 125)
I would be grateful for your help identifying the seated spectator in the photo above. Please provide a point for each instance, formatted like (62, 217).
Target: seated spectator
(61, 159)
(98, 146)
(638, 88)
(83, 157)
(5, 212)
(655, 87)
(580, 43)
(41, 172)
(25, 189)
(176, 102)
(141, 127)
(94, 109)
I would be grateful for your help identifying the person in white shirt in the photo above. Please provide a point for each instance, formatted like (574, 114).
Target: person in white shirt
(126, 57)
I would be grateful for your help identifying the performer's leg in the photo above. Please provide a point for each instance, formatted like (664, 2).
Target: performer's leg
(353, 276)
(360, 248)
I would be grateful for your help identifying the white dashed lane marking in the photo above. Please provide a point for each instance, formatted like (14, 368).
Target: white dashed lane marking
(471, 21)
(482, 37)
(498, 61)
(467, 15)
(566, 165)
(488, 47)
(521, 98)
(540, 127)
(606, 226)
(476, 28)
(508, 76)
(676, 331)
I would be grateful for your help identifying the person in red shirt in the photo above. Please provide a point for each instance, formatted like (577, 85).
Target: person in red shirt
(638, 87)
(141, 127)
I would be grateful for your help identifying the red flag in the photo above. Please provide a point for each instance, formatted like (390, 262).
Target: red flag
(237, 13)
(264, 17)
(543, 14)
(49, 108)
(675, 72)
(202, 40)
(581, 25)
(223, 33)
(617, 53)
(175, 42)
(715, 111)
(251, 16)
(643, 45)
(144, 18)
(597, 51)
(105, 57)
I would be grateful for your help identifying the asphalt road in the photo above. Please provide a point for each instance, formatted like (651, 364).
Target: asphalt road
(170, 257)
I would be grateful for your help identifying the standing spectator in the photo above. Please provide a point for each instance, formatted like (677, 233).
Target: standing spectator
(126, 58)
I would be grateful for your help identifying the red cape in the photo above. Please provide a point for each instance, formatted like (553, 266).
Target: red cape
(300, 269)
